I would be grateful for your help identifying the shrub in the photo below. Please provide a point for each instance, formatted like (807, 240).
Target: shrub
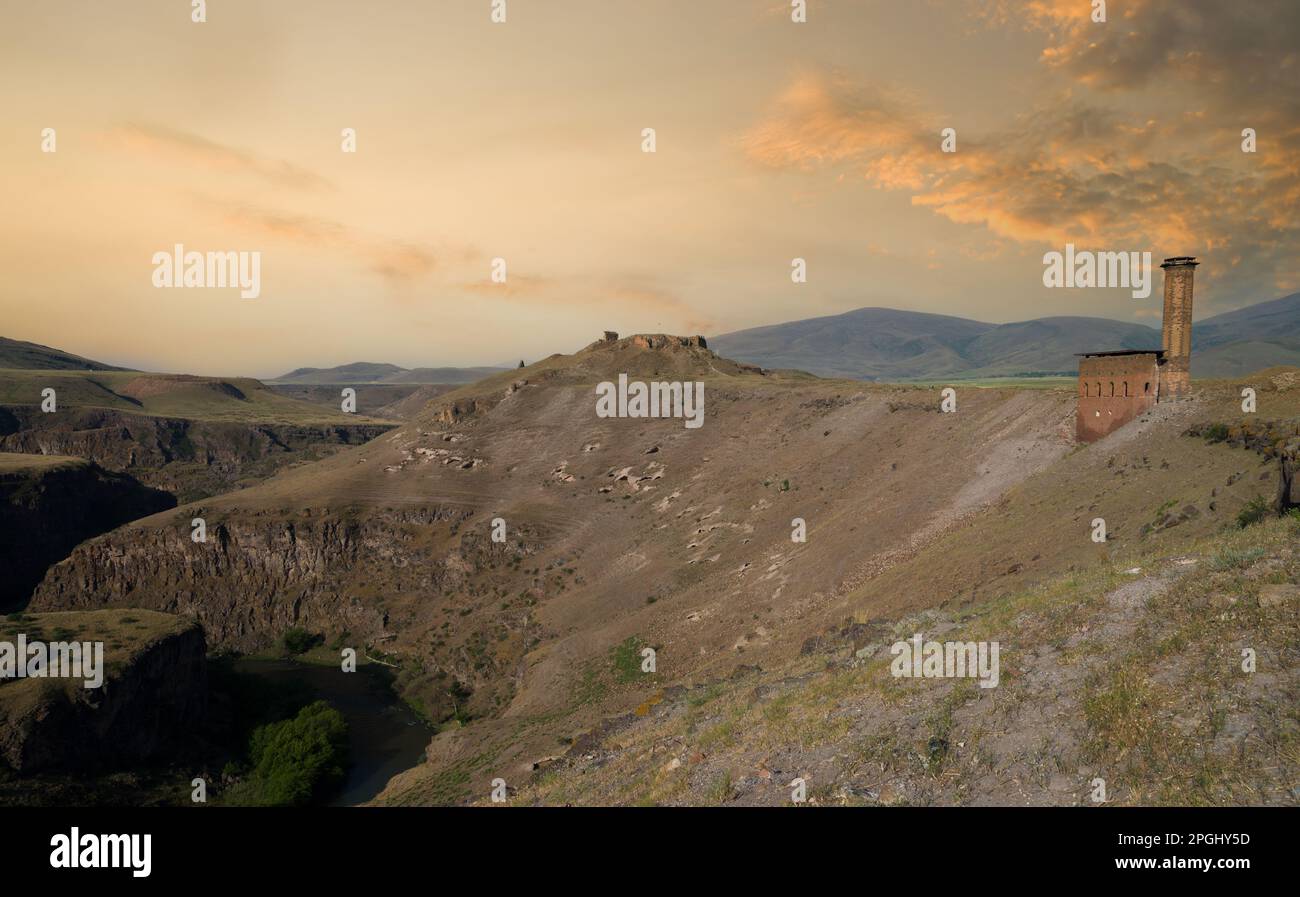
(296, 761)
(1235, 558)
(297, 641)
(1215, 432)
(1256, 510)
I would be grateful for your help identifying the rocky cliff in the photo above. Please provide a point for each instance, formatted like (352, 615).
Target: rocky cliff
(1272, 440)
(153, 696)
(191, 458)
(262, 573)
(1288, 486)
(49, 505)
(360, 579)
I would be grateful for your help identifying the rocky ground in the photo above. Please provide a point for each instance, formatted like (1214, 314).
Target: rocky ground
(624, 534)
(1124, 685)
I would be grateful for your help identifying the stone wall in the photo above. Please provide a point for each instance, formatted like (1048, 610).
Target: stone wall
(1113, 390)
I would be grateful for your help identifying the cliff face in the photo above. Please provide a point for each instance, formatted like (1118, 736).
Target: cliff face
(392, 581)
(259, 574)
(191, 458)
(1271, 439)
(1288, 486)
(154, 694)
(48, 508)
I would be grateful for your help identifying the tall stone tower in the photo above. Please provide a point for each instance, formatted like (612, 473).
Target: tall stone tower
(1175, 373)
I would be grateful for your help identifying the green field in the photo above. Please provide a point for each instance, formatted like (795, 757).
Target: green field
(11, 462)
(236, 399)
(1005, 383)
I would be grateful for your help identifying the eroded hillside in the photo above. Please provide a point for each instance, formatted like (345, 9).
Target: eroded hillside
(624, 533)
(192, 436)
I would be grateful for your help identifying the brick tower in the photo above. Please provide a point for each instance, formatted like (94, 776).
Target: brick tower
(1175, 373)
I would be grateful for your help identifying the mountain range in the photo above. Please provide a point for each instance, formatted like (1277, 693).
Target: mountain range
(890, 344)
(368, 372)
(34, 357)
(884, 344)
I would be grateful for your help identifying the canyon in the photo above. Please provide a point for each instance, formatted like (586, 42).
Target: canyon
(624, 533)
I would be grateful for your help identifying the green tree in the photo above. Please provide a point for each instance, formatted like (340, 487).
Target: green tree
(295, 761)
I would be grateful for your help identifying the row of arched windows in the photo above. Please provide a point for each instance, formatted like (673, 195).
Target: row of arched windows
(1095, 389)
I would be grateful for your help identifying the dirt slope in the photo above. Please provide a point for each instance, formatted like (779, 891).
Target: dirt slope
(624, 533)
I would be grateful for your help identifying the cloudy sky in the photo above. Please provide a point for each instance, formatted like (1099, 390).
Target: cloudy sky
(523, 141)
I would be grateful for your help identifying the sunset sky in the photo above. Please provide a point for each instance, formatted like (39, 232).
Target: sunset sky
(523, 140)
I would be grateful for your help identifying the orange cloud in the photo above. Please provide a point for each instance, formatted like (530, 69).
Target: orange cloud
(1170, 179)
(396, 261)
(625, 295)
(821, 119)
(190, 148)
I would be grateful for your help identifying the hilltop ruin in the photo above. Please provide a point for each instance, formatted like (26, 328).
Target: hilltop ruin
(1117, 386)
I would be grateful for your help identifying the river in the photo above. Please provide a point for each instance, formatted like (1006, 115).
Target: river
(385, 736)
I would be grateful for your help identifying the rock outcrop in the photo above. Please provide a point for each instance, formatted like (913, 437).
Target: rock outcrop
(191, 458)
(153, 697)
(1271, 439)
(49, 505)
(259, 574)
(1288, 486)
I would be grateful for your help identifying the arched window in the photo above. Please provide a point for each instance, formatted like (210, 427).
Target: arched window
(1098, 385)
(1087, 390)
(1146, 389)
(1112, 389)
(1126, 389)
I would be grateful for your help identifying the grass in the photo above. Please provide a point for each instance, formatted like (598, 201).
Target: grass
(1026, 382)
(721, 790)
(1157, 711)
(124, 634)
(625, 657)
(14, 462)
(1235, 558)
(1121, 715)
(235, 399)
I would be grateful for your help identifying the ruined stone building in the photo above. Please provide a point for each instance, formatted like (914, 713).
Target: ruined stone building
(1115, 387)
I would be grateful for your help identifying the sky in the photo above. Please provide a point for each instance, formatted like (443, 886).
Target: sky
(523, 141)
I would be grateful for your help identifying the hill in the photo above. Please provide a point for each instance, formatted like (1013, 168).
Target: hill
(192, 436)
(31, 356)
(365, 372)
(622, 534)
(891, 345)
(356, 372)
(228, 399)
(1245, 340)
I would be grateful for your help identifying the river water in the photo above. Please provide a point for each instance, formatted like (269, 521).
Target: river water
(385, 736)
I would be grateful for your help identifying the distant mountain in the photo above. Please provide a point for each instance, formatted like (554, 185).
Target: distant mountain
(1046, 345)
(869, 343)
(356, 372)
(444, 375)
(33, 357)
(366, 372)
(889, 344)
(1248, 339)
